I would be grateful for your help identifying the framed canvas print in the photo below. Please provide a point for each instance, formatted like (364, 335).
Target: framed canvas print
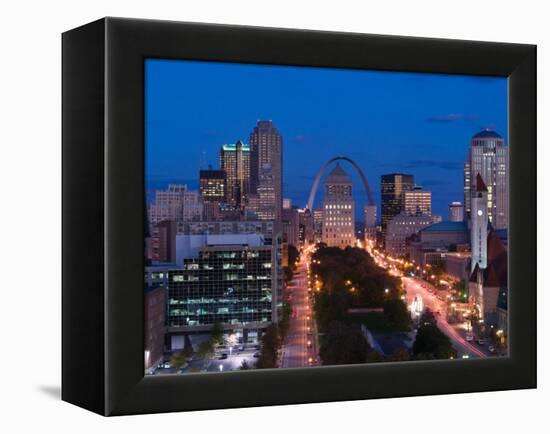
(258, 216)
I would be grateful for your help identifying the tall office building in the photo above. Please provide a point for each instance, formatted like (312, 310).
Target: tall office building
(318, 225)
(417, 201)
(229, 278)
(235, 162)
(291, 226)
(212, 185)
(456, 212)
(393, 186)
(213, 191)
(266, 147)
(263, 202)
(488, 157)
(306, 230)
(338, 210)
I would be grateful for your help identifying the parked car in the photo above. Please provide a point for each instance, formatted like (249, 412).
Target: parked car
(481, 341)
(469, 337)
(256, 355)
(223, 356)
(492, 348)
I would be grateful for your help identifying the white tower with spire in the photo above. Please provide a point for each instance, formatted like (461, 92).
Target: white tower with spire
(479, 220)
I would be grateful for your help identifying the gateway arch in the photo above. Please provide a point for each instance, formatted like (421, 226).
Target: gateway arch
(322, 171)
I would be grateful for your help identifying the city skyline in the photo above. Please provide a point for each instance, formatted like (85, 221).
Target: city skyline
(423, 122)
(252, 282)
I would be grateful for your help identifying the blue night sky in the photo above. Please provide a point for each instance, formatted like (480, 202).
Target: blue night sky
(386, 121)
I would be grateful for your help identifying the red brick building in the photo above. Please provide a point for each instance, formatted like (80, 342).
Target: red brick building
(154, 315)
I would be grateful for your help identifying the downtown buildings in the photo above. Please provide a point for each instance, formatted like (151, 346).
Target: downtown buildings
(406, 209)
(216, 254)
(393, 186)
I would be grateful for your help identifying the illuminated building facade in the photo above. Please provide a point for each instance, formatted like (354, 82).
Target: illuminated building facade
(235, 162)
(488, 157)
(400, 228)
(234, 284)
(266, 148)
(338, 210)
(456, 212)
(167, 204)
(417, 201)
(393, 186)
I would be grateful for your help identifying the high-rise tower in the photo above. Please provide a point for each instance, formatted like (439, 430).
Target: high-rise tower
(266, 148)
(488, 157)
(235, 162)
(393, 186)
(338, 210)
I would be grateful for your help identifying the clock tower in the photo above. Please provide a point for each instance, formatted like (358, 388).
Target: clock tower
(478, 225)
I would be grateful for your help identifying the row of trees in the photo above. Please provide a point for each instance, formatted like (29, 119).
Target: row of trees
(272, 340)
(205, 349)
(293, 256)
(430, 342)
(350, 278)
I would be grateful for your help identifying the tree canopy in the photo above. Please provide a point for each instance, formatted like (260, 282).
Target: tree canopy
(343, 344)
(430, 342)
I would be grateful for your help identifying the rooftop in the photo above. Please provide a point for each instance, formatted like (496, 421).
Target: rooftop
(233, 146)
(338, 176)
(447, 226)
(487, 134)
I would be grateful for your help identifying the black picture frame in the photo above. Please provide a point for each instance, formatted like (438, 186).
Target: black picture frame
(103, 215)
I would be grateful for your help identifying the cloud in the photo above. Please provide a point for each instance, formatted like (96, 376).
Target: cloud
(452, 117)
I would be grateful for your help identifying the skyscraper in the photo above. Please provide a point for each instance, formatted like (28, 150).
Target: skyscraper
(263, 202)
(417, 201)
(235, 162)
(305, 219)
(213, 191)
(392, 187)
(266, 147)
(212, 185)
(488, 157)
(338, 210)
(318, 225)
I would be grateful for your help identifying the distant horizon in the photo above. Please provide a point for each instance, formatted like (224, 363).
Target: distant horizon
(415, 123)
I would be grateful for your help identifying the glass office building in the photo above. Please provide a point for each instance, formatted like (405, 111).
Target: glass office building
(232, 284)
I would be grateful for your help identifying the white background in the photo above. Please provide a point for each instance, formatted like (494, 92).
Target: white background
(30, 146)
